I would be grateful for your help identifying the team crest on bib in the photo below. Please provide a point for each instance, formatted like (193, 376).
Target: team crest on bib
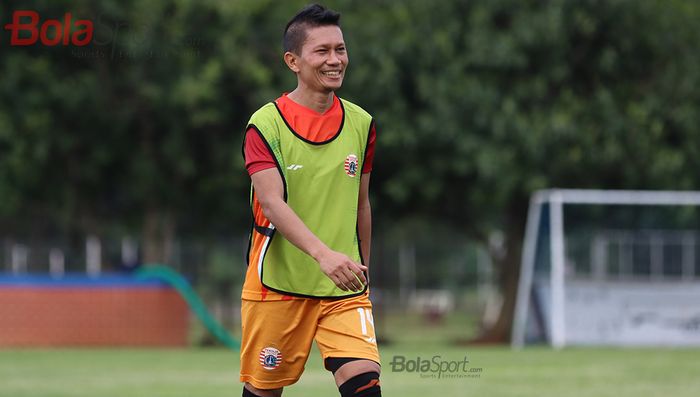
(351, 165)
(270, 358)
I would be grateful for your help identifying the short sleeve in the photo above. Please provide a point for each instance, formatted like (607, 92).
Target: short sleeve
(369, 152)
(256, 153)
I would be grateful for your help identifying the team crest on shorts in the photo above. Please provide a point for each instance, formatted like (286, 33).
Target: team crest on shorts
(270, 358)
(351, 165)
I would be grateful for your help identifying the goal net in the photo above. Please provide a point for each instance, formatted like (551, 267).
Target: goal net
(605, 267)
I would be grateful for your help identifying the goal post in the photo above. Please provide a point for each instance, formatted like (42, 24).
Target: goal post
(571, 293)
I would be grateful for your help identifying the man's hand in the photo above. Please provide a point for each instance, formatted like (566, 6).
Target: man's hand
(347, 274)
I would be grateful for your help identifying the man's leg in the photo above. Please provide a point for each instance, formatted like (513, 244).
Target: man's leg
(275, 343)
(346, 338)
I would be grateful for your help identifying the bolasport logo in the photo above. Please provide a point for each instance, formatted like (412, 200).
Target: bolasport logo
(435, 367)
(27, 29)
(100, 37)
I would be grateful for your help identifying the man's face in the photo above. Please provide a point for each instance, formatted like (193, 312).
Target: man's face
(323, 59)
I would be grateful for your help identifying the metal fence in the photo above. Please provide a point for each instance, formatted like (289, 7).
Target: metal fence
(428, 280)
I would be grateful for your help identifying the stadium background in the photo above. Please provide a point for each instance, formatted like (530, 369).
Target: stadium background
(129, 147)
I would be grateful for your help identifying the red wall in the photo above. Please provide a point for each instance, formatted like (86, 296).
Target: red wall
(92, 316)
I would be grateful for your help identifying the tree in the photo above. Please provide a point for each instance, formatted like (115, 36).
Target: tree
(481, 103)
(140, 129)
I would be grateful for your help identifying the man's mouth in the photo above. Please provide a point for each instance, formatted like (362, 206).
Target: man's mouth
(331, 73)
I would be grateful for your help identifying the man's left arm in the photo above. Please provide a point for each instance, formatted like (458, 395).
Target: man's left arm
(364, 219)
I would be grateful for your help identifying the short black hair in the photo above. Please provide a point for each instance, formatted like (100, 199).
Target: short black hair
(310, 16)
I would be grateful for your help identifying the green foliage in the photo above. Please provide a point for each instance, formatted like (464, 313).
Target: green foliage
(480, 103)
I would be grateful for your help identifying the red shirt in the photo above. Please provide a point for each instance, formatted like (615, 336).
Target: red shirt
(313, 126)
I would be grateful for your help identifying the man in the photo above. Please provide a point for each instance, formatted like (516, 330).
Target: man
(309, 155)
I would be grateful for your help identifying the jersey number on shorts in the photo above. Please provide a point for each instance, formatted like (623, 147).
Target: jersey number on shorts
(366, 317)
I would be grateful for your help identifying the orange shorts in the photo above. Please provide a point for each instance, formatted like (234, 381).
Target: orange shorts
(277, 336)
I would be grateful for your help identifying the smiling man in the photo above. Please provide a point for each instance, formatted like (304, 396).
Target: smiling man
(309, 155)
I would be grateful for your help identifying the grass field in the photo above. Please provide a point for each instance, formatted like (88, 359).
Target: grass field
(214, 373)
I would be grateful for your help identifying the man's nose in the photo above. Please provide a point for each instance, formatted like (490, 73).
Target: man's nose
(333, 58)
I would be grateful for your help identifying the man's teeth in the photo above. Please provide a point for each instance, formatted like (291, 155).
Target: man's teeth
(331, 74)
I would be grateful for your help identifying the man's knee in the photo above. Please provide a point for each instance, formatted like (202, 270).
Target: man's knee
(355, 377)
(251, 391)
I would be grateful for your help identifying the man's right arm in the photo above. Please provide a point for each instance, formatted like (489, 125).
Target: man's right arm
(269, 190)
(343, 271)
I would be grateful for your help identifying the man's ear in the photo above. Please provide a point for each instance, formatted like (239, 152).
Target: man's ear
(291, 60)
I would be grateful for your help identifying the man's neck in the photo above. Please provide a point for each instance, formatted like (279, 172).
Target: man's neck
(316, 101)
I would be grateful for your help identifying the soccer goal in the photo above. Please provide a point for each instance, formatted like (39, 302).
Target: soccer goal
(610, 267)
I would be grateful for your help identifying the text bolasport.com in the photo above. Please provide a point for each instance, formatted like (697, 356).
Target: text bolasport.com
(435, 367)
